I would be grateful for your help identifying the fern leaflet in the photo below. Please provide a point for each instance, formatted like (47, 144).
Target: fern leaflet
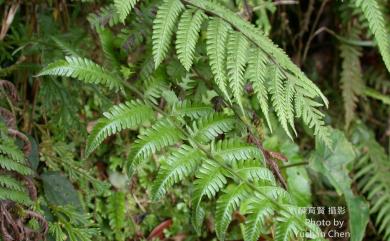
(236, 61)
(163, 27)
(82, 69)
(124, 7)
(187, 36)
(123, 116)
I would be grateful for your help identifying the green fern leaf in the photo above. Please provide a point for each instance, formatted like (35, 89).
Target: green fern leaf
(226, 204)
(209, 127)
(192, 110)
(124, 7)
(15, 196)
(278, 90)
(372, 177)
(235, 150)
(107, 43)
(258, 211)
(162, 134)
(11, 165)
(163, 27)
(8, 148)
(236, 61)
(210, 180)
(311, 116)
(287, 226)
(84, 70)
(9, 182)
(106, 15)
(351, 78)
(251, 170)
(123, 116)
(117, 212)
(179, 164)
(257, 74)
(217, 33)
(377, 24)
(187, 36)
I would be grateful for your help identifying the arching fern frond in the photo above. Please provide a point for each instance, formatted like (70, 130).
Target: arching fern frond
(83, 69)
(187, 36)
(123, 116)
(163, 27)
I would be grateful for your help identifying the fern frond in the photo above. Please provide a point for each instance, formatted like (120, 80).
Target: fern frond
(179, 164)
(264, 43)
(163, 27)
(372, 177)
(84, 70)
(226, 204)
(236, 60)
(210, 180)
(258, 211)
(123, 116)
(257, 74)
(192, 110)
(124, 7)
(217, 34)
(351, 77)
(377, 24)
(235, 150)
(117, 211)
(162, 134)
(208, 127)
(187, 36)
